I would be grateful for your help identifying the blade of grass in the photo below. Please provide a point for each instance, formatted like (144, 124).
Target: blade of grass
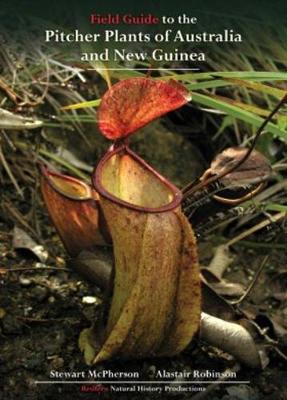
(64, 163)
(237, 112)
(276, 207)
(259, 87)
(10, 173)
(248, 107)
(84, 104)
(252, 75)
(216, 83)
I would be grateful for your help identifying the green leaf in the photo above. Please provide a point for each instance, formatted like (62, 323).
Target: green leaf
(252, 75)
(65, 163)
(259, 87)
(84, 104)
(276, 207)
(237, 112)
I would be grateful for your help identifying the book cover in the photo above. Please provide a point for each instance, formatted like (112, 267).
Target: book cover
(143, 200)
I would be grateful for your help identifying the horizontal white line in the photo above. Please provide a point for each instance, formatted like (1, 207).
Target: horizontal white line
(139, 382)
(143, 69)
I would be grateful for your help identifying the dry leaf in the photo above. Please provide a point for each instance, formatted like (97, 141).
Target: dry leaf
(232, 338)
(9, 120)
(22, 241)
(256, 168)
(214, 304)
(220, 262)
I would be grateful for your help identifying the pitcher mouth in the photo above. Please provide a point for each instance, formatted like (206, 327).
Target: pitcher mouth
(65, 185)
(173, 194)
